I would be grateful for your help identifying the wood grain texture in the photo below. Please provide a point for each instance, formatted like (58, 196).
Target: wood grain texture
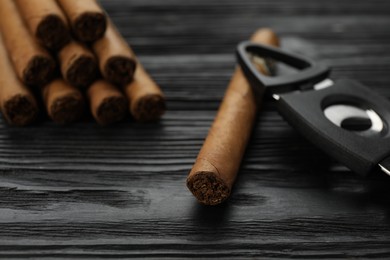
(119, 192)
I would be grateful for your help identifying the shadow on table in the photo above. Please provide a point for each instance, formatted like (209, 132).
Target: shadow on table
(211, 216)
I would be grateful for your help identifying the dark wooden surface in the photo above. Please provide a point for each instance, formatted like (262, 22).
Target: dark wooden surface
(89, 192)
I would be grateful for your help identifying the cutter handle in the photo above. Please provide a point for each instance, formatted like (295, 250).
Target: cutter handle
(305, 112)
(310, 72)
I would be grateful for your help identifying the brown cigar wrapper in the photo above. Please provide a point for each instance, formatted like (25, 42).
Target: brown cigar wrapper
(118, 65)
(117, 61)
(64, 103)
(87, 19)
(146, 100)
(215, 170)
(17, 103)
(108, 105)
(46, 22)
(33, 65)
(79, 66)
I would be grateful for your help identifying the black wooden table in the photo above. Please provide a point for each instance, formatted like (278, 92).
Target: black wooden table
(119, 192)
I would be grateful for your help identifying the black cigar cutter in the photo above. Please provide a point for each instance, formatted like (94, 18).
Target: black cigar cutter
(344, 118)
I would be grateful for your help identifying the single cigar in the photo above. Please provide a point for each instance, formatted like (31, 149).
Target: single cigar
(79, 66)
(88, 20)
(147, 102)
(17, 103)
(33, 65)
(117, 61)
(212, 177)
(46, 22)
(107, 103)
(64, 103)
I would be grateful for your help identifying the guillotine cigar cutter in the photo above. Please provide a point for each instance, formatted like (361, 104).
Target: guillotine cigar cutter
(345, 119)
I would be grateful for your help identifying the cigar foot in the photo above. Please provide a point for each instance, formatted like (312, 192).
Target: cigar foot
(53, 33)
(67, 109)
(90, 26)
(39, 71)
(149, 108)
(112, 110)
(208, 188)
(20, 110)
(83, 72)
(120, 70)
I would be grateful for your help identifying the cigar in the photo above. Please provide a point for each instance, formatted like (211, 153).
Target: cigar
(17, 103)
(117, 61)
(64, 103)
(146, 100)
(79, 66)
(88, 20)
(46, 22)
(33, 65)
(215, 170)
(107, 103)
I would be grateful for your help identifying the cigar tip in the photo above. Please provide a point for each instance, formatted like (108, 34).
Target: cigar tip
(111, 110)
(208, 188)
(149, 108)
(53, 32)
(90, 26)
(67, 109)
(264, 30)
(20, 110)
(120, 70)
(82, 72)
(267, 36)
(39, 71)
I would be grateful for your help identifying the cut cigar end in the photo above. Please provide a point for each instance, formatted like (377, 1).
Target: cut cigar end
(20, 110)
(120, 70)
(39, 71)
(90, 26)
(82, 72)
(149, 108)
(67, 109)
(208, 188)
(111, 110)
(53, 33)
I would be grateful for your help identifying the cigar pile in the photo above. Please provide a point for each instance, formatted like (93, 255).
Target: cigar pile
(64, 54)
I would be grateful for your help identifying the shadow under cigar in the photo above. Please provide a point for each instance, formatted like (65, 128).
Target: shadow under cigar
(214, 217)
